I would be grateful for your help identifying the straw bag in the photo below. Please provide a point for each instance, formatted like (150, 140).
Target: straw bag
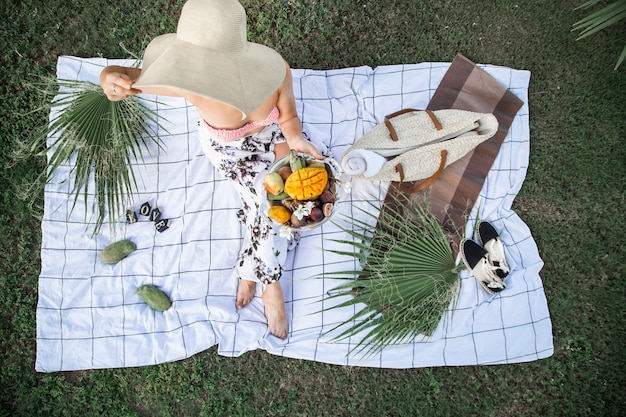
(413, 145)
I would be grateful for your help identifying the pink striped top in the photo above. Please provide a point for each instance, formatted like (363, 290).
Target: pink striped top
(229, 135)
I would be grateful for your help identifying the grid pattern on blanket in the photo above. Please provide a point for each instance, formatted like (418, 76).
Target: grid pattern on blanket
(89, 315)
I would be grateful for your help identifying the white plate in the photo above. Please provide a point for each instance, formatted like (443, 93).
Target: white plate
(336, 173)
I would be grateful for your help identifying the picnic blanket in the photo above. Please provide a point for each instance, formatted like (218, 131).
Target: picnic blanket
(89, 315)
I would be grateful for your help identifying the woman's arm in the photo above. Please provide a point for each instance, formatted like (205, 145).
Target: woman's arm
(289, 121)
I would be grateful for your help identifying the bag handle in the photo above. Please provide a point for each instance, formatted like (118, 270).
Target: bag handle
(392, 130)
(427, 181)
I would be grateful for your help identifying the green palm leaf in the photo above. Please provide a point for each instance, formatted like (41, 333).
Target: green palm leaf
(601, 19)
(408, 278)
(99, 139)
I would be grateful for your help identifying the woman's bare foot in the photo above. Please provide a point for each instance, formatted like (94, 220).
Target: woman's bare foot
(274, 302)
(245, 292)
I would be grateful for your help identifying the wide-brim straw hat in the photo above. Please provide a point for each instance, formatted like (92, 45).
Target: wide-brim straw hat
(209, 56)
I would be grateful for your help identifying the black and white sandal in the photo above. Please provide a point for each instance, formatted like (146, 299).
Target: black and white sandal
(489, 239)
(476, 259)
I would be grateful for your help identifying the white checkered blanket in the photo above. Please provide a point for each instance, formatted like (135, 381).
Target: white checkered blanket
(89, 315)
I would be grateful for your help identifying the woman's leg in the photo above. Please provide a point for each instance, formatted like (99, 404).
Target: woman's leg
(263, 251)
(274, 302)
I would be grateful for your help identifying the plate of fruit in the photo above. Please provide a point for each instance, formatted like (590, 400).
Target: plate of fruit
(301, 192)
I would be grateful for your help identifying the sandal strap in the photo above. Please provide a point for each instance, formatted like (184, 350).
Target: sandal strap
(495, 281)
(492, 283)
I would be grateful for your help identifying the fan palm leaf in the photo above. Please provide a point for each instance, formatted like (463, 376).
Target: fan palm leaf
(100, 139)
(601, 19)
(408, 278)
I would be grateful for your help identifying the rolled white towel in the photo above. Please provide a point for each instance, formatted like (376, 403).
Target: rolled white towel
(362, 162)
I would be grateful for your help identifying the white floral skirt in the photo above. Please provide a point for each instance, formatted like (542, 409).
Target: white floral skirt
(243, 162)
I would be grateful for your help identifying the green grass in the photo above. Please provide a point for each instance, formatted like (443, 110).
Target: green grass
(572, 199)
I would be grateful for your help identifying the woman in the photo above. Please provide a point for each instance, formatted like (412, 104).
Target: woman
(244, 96)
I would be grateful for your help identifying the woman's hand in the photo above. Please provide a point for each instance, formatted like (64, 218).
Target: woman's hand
(117, 82)
(289, 122)
(304, 146)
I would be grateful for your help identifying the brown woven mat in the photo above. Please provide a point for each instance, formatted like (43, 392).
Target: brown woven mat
(452, 195)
